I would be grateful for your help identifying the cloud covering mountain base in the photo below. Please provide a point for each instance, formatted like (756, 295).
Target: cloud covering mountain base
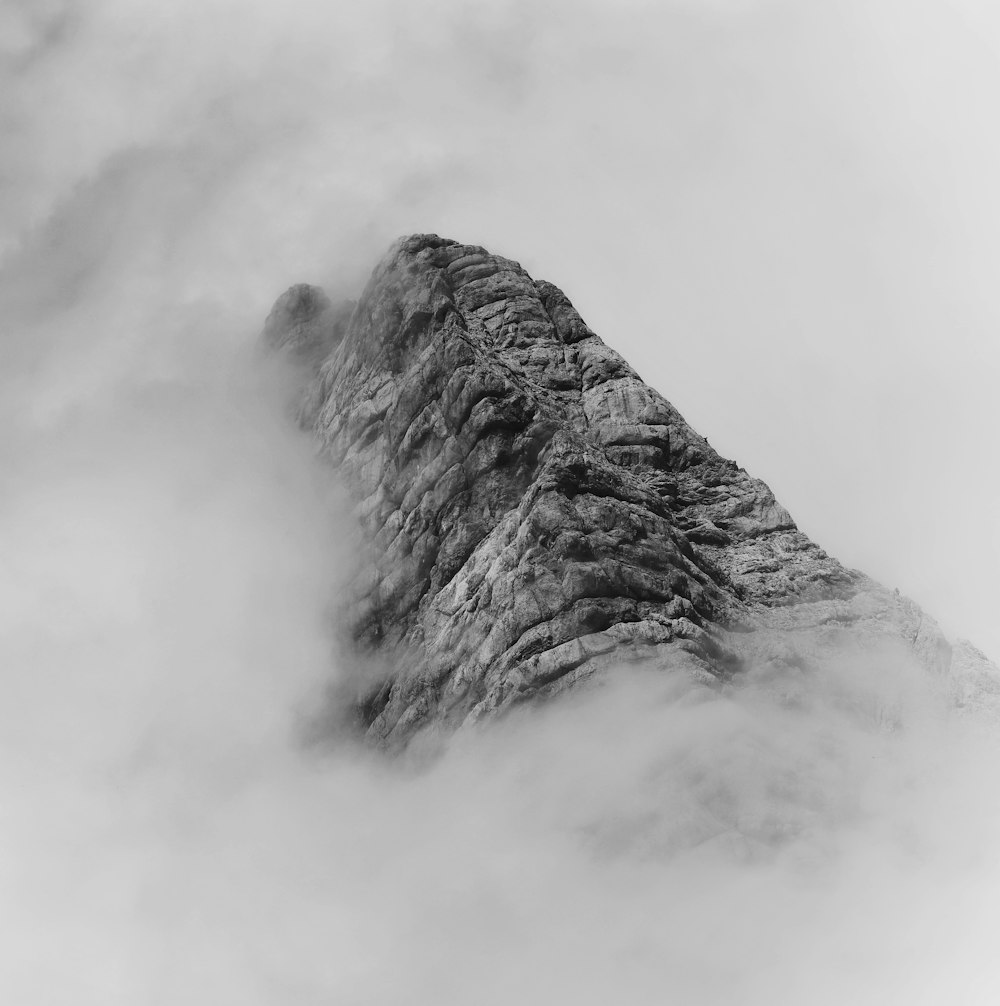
(171, 835)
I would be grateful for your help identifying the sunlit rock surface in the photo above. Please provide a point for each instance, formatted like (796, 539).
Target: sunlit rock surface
(537, 514)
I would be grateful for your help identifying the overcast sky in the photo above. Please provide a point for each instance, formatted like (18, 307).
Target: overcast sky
(784, 214)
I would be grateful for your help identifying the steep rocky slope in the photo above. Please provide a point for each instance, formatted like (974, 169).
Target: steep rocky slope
(537, 514)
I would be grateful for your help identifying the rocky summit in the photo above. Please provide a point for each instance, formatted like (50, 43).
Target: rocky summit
(535, 514)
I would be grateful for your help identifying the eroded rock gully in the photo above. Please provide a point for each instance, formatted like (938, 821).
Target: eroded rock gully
(536, 513)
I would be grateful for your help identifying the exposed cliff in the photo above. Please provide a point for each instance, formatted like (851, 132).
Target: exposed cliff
(536, 513)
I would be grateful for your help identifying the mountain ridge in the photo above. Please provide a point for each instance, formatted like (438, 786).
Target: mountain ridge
(536, 514)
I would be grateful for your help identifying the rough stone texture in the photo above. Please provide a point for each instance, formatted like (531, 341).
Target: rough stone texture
(537, 514)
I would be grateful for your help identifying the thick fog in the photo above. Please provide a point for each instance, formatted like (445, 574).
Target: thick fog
(783, 213)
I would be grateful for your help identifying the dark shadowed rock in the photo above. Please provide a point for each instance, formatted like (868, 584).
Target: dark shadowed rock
(537, 514)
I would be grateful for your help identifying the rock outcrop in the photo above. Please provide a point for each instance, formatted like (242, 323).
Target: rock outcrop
(536, 513)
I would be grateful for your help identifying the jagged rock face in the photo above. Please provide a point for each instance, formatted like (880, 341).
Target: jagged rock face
(536, 513)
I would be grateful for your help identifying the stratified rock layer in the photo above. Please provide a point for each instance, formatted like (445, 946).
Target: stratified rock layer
(535, 512)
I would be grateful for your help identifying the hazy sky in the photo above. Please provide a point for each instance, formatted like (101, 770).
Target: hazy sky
(783, 214)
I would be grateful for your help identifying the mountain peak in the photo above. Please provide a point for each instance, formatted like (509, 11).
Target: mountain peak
(537, 514)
